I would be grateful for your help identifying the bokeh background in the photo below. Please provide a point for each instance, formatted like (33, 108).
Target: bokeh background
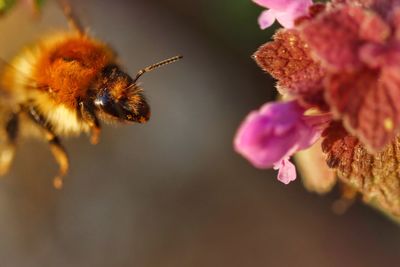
(173, 192)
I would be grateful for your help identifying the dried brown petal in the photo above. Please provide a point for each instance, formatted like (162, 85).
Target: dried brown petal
(376, 177)
(288, 60)
(364, 100)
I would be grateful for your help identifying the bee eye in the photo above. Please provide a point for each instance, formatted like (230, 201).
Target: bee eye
(134, 112)
(106, 103)
(102, 99)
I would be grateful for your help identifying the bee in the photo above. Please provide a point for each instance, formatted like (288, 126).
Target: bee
(64, 85)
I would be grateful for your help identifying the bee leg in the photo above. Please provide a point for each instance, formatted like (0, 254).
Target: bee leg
(88, 115)
(61, 157)
(57, 149)
(8, 150)
(73, 20)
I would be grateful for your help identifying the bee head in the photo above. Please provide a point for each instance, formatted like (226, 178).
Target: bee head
(117, 96)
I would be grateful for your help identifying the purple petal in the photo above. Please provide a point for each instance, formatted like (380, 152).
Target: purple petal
(315, 126)
(277, 131)
(256, 140)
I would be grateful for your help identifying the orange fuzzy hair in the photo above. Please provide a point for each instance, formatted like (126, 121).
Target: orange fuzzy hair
(68, 67)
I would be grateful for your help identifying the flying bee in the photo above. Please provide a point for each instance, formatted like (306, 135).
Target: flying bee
(65, 85)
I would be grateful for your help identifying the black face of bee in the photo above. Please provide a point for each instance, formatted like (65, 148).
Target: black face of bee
(118, 96)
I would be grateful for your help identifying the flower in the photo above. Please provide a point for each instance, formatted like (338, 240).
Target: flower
(359, 50)
(340, 58)
(268, 137)
(285, 11)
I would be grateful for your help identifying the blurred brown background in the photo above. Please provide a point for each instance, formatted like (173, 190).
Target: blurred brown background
(173, 192)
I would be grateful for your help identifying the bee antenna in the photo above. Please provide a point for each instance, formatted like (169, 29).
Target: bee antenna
(155, 66)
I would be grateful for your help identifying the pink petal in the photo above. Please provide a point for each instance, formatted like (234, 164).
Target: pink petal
(374, 29)
(334, 37)
(395, 21)
(380, 56)
(366, 100)
(282, 5)
(266, 19)
(286, 11)
(288, 16)
(286, 19)
(287, 171)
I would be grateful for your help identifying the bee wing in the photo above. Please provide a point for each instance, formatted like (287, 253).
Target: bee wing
(8, 105)
(8, 120)
(4, 91)
(13, 85)
(11, 80)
